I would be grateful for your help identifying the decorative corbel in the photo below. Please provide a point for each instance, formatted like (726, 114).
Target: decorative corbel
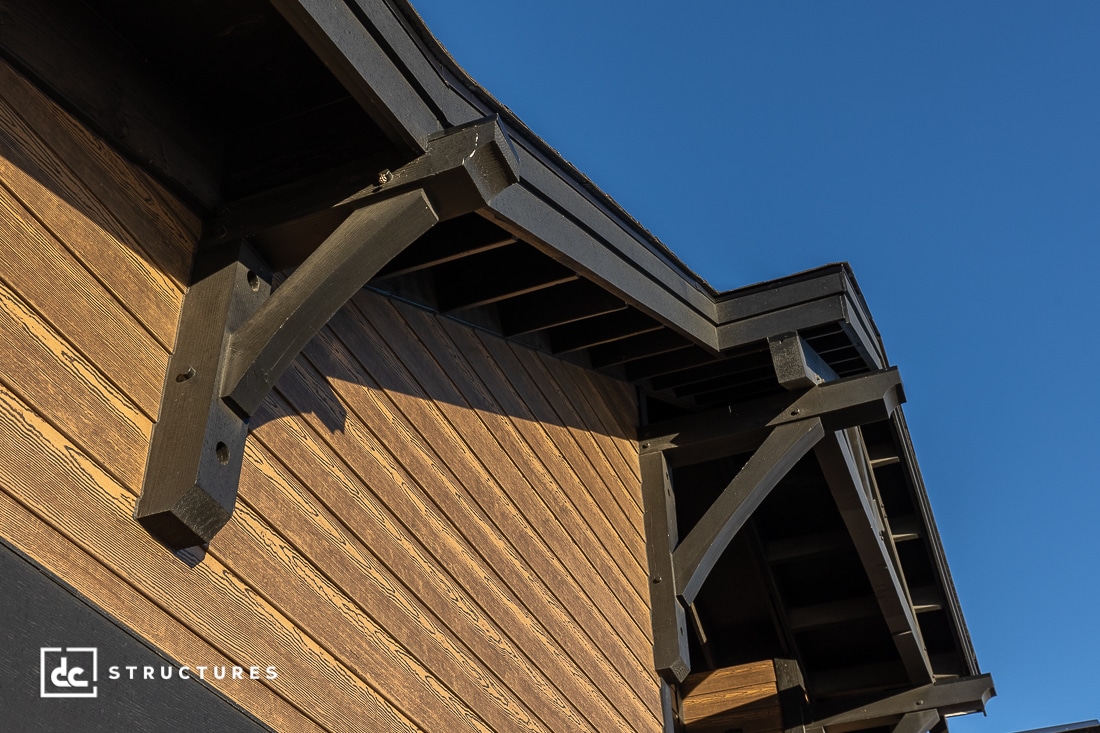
(237, 336)
(779, 431)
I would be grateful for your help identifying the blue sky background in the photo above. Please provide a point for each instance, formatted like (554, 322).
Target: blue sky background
(950, 152)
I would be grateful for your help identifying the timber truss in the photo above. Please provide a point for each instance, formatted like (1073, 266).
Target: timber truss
(819, 412)
(237, 336)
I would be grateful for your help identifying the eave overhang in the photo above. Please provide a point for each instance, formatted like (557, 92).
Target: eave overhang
(351, 119)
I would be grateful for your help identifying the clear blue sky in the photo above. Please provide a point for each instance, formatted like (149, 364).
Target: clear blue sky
(950, 152)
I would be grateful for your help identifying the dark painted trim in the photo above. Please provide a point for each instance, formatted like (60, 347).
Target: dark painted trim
(365, 68)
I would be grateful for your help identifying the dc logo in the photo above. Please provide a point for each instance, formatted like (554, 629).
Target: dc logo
(69, 672)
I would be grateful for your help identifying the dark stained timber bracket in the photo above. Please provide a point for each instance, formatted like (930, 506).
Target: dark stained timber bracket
(196, 452)
(780, 432)
(915, 710)
(696, 556)
(797, 366)
(846, 466)
(463, 169)
(237, 336)
(671, 656)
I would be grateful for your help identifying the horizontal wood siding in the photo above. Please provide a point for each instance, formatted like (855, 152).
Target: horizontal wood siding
(436, 529)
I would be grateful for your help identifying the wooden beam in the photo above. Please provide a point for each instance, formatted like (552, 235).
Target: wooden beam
(805, 618)
(601, 330)
(701, 636)
(461, 171)
(853, 493)
(799, 317)
(667, 363)
(262, 348)
(636, 347)
(671, 655)
(797, 366)
(786, 292)
(801, 547)
(567, 303)
(197, 448)
(84, 64)
(495, 276)
(744, 697)
(919, 722)
(740, 391)
(616, 258)
(761, 375)
(450, 241)
(741, 428)
(906, 528)
(694, 558)
(926, 598)
(234, 341)
(794, 703)
(864, 679)
(947, 697)
(728, 368)
(670, 709)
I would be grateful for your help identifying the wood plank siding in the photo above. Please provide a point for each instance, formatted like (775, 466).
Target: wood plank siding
(436, 529)
(745, 698)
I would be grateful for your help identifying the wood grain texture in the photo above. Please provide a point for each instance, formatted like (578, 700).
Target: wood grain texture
(552, 476)
(767, 719)
(162, 231)
(46, 275)
(718, 680)
(30, 170)
(431, 401)
(532, 486)
(744, 696)
(38, 539)
(622, 474)
(435, 530)
(365, 638)
(83, 504)
(312, 602)
(585, 385)
(382, 505)
(435, 490)
(382, 558)
(577, 449)
(51, 374)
